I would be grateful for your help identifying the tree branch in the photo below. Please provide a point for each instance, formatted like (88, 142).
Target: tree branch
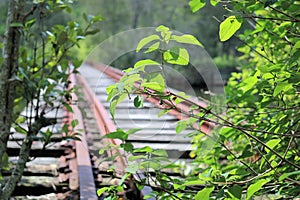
(24, 155)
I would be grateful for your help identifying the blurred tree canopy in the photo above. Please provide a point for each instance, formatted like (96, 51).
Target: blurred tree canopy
(122, 15)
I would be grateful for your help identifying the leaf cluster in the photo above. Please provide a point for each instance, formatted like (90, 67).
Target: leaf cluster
(253, 149)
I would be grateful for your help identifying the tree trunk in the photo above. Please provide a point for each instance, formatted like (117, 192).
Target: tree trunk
(137, 10)
(17, 173)
(8, 70)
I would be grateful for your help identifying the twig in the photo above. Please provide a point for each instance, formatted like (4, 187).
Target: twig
(272, 18)
(279, 11)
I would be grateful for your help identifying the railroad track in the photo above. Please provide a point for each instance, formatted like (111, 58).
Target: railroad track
(74, 169)
(157, 133)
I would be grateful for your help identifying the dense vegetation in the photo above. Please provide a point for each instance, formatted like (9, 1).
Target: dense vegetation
(254, 148)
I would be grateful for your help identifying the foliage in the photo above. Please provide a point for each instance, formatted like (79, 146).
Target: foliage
(227, 62)
(152, 82)
(127, 14)
(255, 151)
(41, 77)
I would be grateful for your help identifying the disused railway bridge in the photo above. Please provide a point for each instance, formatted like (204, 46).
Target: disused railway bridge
(73, 169)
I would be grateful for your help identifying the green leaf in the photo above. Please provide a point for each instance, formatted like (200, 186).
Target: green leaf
(249, 83)
(128, 147)
(74, 123)
(195, 5)
(178, 186)
(132, 168)
(296, 47)
(30, 23)
(139, 157)
(114, 102)
(272, 143)
(182, 125)
(246, 153)
(281, 87)
(285, 175)
(102, 190)
(132, 131)
(236, 191)
(16, 25)
(97, 18)
(145, 149)
(145, 62)
(151, 195)
(92, 32)
(4, 162)
(177, 55)
(186, 39)
(163, 112)
(160, 152)
(204, 193)
(126, 175)
(85, 17)
(62, 38)
(101, 151)
(194, 182)
(228, 27)
(214, 2)
(145, 41)
(112, 107)
(255, 187)
(181, 98)
(20, 129)
(156, 77)
(153, 47)
(162, 28)
(150, 164)
(154, 86)
(263, 68)
(111, 91)
(65, 128)
(119, 134)
(138, 102)
(24, 74)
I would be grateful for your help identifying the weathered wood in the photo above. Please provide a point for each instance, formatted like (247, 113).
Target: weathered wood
(37, 152)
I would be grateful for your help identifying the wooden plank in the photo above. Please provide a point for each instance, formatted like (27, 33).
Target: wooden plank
(37, 152)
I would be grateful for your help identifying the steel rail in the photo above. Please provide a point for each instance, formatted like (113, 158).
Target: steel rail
(106, 126)
(104, 123)
(86, 180)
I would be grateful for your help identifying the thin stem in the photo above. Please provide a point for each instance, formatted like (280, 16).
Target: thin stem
(230, 124)
(279, 11)
(163, 71)
(272, 18)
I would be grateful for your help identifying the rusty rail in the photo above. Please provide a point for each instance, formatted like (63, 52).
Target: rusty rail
(84, 171)
(106, 126)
